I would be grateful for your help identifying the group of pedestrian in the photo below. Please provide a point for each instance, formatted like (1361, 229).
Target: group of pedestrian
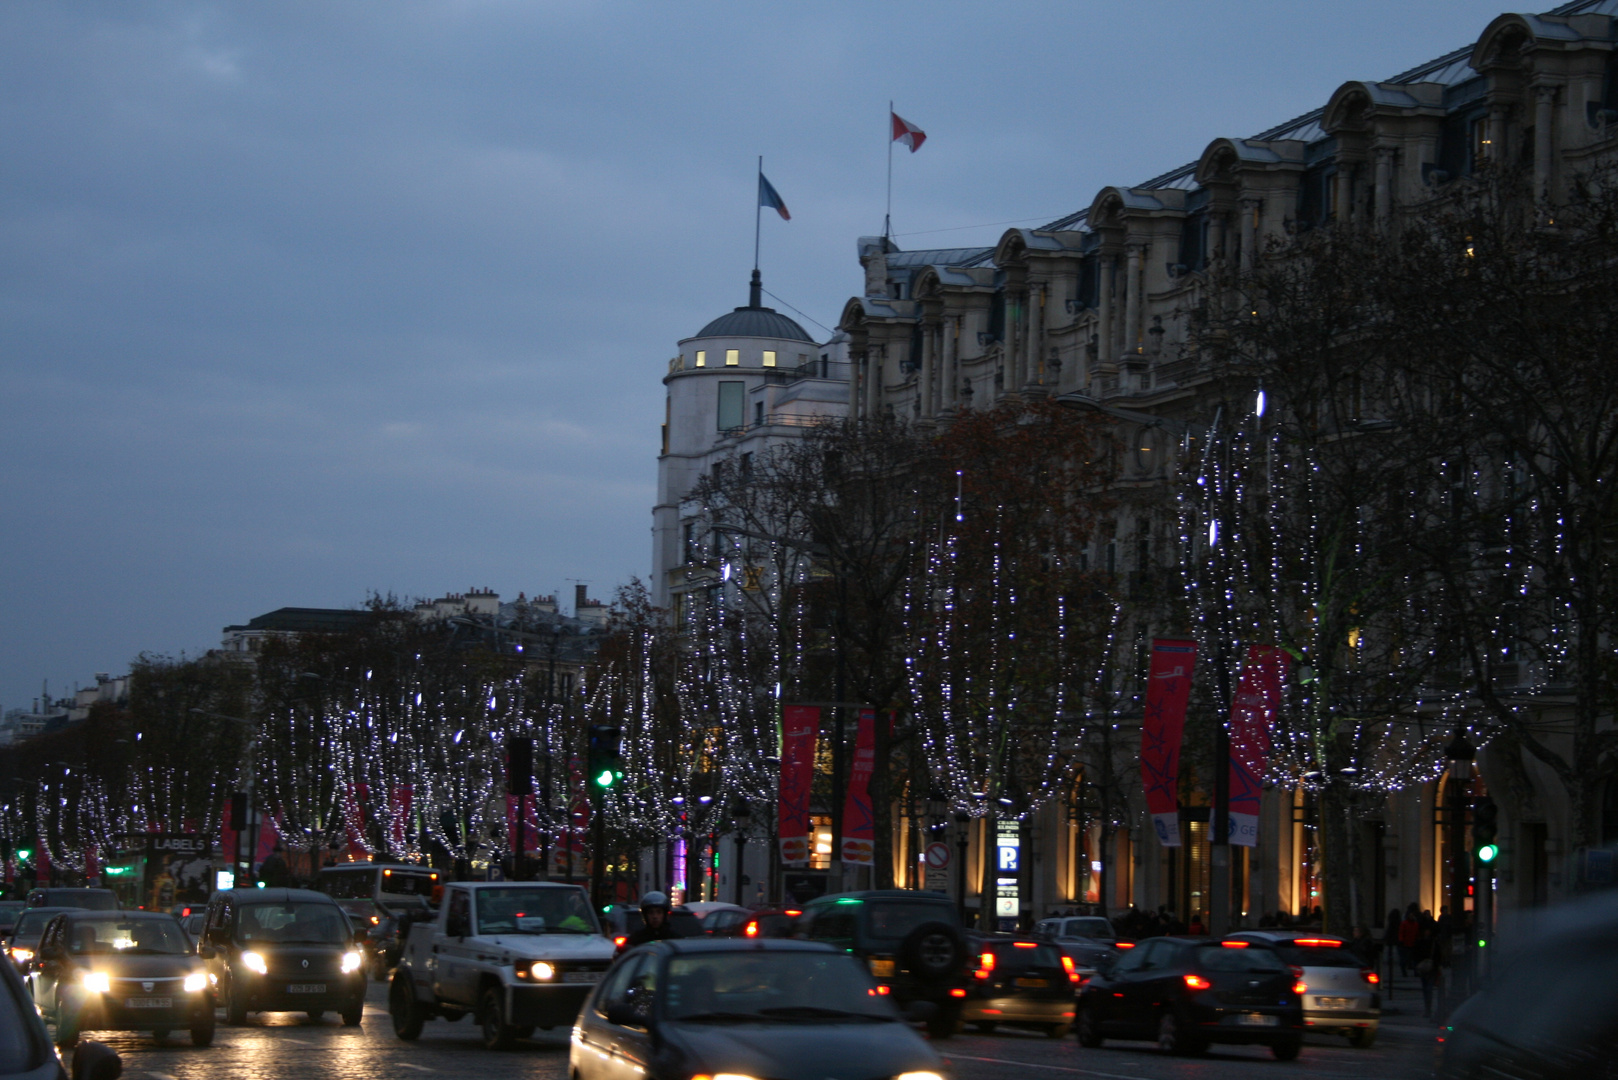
(1426, 948)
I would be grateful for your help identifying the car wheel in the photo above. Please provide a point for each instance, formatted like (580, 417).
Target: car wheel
(202, 1030)
(1362, 1038)
(353, 1015)
(933, 950)
(985, 1026)
(235, 1007)
(497, 1034)
(1089, 1031)
(1288, 1050)
(408, 1013)
(1172, 1037)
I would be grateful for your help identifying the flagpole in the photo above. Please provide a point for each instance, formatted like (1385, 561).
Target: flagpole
(887, 216)
(758, 204)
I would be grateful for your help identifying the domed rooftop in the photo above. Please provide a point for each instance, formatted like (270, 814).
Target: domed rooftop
(755, 320)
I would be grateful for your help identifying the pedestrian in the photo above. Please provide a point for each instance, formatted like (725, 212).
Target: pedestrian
(1409, 934)
(1428, 966)
(1363, 946)
(273, 871)
(1196, 929)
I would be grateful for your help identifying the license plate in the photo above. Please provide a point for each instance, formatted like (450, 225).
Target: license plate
(884, 969)
(1257, 1020)
(1334, 1003)
(306, 988)
(149, 1003)
(1032, 982)
(581, 976)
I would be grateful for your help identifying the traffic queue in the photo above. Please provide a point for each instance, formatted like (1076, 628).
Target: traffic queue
(673, 987)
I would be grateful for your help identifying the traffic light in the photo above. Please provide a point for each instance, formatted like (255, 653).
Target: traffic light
(520, 766)
(1485, 827)
(606, 764)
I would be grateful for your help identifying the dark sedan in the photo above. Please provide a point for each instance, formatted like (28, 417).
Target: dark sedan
(788, 1010)
(121, 971)
(1190, 992)
(23, 942)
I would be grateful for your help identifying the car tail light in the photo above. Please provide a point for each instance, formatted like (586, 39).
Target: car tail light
(985, 965)
(792, 912)
(1067, 966)
(1234, 944)
(1125, 944)
(1370, 976)
(1318, 943)
(1197, 982)
(1297, 972)
(1025, 944)
(619, 940)
(1300, 988)
(957, 992)
(751, 930)
(879, 991)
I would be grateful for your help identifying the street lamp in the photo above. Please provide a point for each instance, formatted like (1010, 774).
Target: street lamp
(963, 822)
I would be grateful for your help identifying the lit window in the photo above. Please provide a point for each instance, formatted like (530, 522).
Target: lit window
(769, 358)
(702, 358)
(733, 357)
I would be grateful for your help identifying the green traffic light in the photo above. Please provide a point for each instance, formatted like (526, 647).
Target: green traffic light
(24, 854)
(1488, 853)
(605, 779)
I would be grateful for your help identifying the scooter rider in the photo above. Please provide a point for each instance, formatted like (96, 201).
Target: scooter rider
(654, 913)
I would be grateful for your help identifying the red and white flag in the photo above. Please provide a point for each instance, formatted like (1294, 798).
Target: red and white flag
(906, 132)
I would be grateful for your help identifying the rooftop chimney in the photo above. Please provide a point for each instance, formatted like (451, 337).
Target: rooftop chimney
(581, 596)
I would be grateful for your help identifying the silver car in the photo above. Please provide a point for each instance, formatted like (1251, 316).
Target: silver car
(1341, 994)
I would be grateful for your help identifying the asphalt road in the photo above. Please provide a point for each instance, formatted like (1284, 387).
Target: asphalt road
(289, 1046)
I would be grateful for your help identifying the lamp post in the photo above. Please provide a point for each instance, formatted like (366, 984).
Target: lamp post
(963, 822)
(249, 818)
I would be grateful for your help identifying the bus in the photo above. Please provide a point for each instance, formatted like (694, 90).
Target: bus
(392, 887)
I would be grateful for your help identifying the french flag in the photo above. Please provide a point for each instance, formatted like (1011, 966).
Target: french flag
(768, 196)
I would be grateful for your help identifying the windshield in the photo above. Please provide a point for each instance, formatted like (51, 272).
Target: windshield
(32, 923)
(115, 934)
(1096, 928)
(1018, 957)
(740, 987)
(894, 919)
(534, 910)
(1315, 956)
(1220, 958)
(90, 899)
(292, 923)
(401, 883)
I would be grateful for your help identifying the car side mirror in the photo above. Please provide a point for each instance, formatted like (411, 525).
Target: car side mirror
(51, 952)
(206, 952)
(96, 1061)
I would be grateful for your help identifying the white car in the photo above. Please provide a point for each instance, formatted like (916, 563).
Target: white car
(1340, 993)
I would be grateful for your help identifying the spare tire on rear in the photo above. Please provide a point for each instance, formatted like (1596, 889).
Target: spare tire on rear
(933, 950)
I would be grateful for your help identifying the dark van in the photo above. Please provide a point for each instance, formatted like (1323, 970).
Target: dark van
(283, 950)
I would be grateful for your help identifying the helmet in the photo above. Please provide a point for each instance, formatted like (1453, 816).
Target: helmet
(654, 899)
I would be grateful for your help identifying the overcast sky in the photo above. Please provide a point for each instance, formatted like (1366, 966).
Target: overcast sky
(307, 300)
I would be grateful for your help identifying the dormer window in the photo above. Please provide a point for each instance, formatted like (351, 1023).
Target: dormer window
(702, 358)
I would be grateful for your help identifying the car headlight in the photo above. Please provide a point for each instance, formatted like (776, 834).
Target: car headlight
(918, 1076)
(195, 981)
(534, 969)
(22, 956)
(351, 962)
(736, 1076)
(253, 961)
(97, 982)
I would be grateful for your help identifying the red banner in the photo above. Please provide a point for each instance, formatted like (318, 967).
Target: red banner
(859, 824)
(1168, 689)
(530, 824)
(355, 796)
(399, 807)
(800, 728)
(1252, 711)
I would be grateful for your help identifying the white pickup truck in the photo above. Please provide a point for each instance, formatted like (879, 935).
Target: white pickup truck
(517, 955)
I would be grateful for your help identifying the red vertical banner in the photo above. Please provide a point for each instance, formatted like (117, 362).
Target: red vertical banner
(399, 808)
(530, 823)
(800, 729)
(92, 867)
(355, 797)
(1252, 711)
(1168, 690)
(268, 837)
(859, 825)
(228, 836)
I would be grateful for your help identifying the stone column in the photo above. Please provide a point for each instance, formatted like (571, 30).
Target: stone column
(952, 374)
(924, 383)
(1384, 186)
(1544, 99)
(857, 378)
(873, 383)
(1035, 349)
(1249, 212)
(1132, 298)
(1104, 303)
(1343, 185)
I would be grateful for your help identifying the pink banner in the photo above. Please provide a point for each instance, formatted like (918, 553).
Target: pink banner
(1252, 711)
(530, 824)
(859, 824)
(355, 797)
(800, 729)
(399, 807)
(1168, 689)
